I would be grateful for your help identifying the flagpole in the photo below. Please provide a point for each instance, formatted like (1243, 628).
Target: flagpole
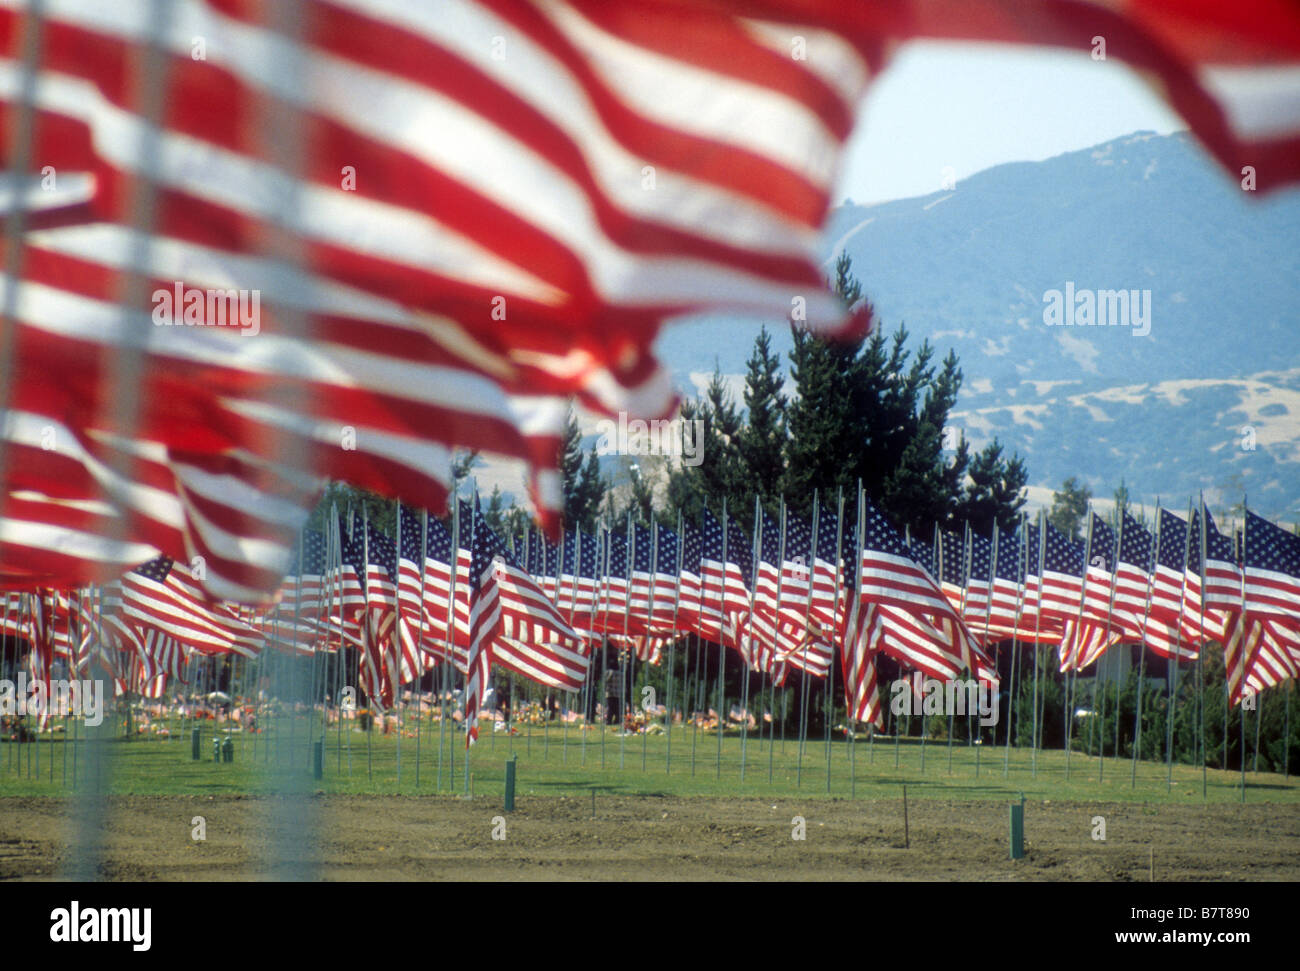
(722, 655)
(629, 654)
(830, 671)
(650, 627)
(672, 648)
(1152, 562)
(419, 696)
(448, 659)
(1038, 627)
(604, 642)
(1071, 679)
(1172, 680)
(1200, 668)
(755, 558)
(1110, 611)
(803, 674)
(936, 541)
(395, 675)
(968, 551)
(1241, 655)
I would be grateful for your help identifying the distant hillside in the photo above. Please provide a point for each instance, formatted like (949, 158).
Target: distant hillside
(1168, 411)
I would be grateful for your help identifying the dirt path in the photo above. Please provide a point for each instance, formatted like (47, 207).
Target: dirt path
(444, 838)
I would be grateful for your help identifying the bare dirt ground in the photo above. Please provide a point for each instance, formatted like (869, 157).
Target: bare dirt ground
(648, 838)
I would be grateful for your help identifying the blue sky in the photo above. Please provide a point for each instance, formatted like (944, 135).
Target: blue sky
(972, 106)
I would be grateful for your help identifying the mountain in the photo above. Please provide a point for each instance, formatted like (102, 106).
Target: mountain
(1208, 397)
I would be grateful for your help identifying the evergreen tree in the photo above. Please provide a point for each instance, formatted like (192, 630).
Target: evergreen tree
(994, 492)
(832, 391)
(761, 443)
(493, 514)
(720, 473)
(1069, 506)
(584, 486)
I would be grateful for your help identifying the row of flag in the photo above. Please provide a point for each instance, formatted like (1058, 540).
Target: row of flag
(795, 593)
(435, 225)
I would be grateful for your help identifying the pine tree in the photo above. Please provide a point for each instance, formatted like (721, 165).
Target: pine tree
(1069, 506)
(822, 418)
(720, 473)
(994, 492)
(584, 486)
(762, 440)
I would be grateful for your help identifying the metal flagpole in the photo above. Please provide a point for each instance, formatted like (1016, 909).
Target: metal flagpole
(672, 649)
(1242, 653)
(1200, 670)
(1142, 648)
(448, 659)
(803, 674)
(722, 656)
(1038, 626)
(395, 675)
(366, 634)
(1110, 610)
(1071, 675)
(628, 653)
(650, 630)
(588, 707)
(419, 694)
(604, 642)
(697, 699)
(1172, 680)
(475, 582)
(746, 669)
(968, 552)
(830, 671)
(936, 541)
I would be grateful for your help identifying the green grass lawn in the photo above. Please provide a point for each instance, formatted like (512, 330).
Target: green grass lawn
(566, 761)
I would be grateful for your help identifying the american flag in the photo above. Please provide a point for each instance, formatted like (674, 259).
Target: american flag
(812, 603)
(1213, 562)
(528, 635)
(690, 587)
(667, 569)
(726, 574)
(979, 582)
(761, 641)
(1058, 580)
(859, 641)
(484, 613)
(579, 587)
(925, 629)
(405, 243)
(448, 633)
(613, 604)
(1272, 569)
(834, 550)
(162, 595)
(1009, 613)
(642, 577)
(1259, 652)
(952, 568)
(1134, 565)
(1173, 628)
(475, 211)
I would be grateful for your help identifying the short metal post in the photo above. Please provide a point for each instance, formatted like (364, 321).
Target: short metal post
(1018, 829)
(510, 784)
